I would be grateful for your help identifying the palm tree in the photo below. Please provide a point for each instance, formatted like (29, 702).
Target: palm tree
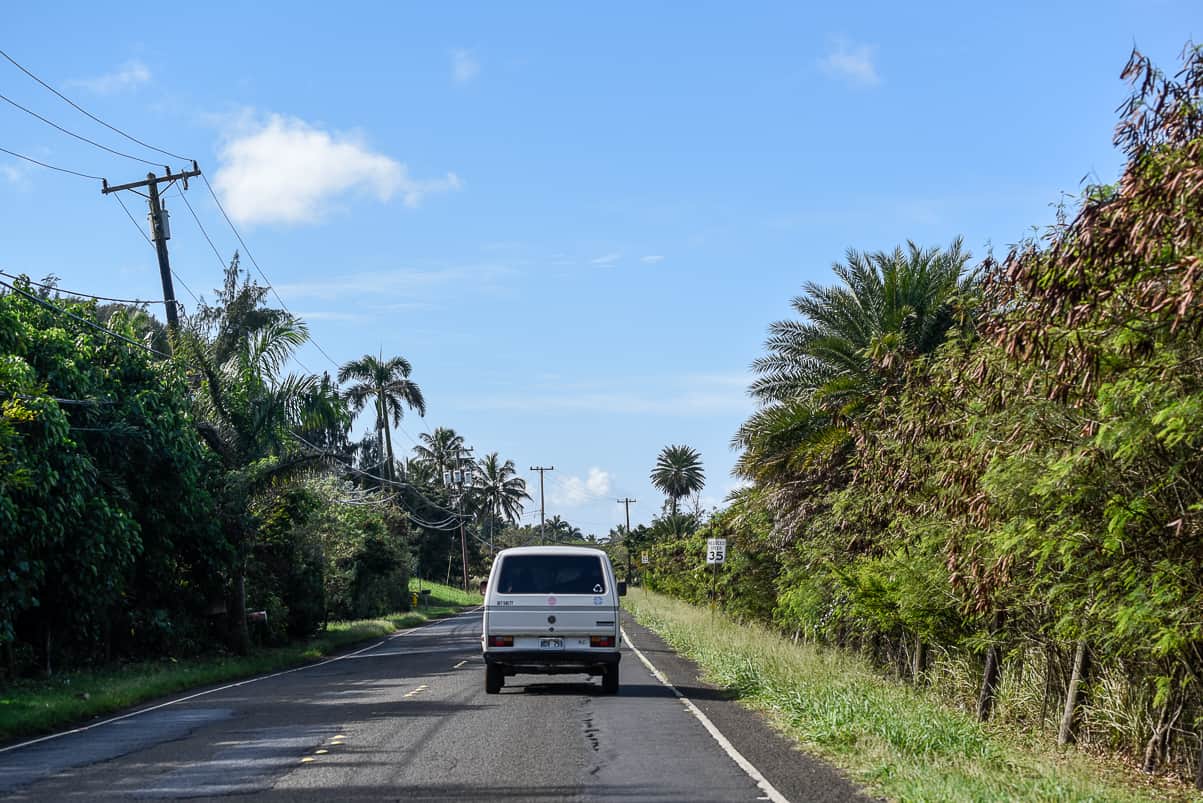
(387, 385)
(561, 530)
(678, 473)
(247, 413)
(502, 491)
(442, 450)
(854, 341)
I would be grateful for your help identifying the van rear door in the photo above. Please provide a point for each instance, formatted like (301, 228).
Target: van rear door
(548, 594)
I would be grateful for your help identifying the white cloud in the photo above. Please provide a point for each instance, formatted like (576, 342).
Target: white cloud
(15, 174)
(851, 62)
(464, 67)
(652, 259)
(573, 490)
(128, 76)
(285, 170)
(607, 259)
(381, 286)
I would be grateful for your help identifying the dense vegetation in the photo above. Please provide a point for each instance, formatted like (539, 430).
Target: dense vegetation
(182, 494)
(990, 481)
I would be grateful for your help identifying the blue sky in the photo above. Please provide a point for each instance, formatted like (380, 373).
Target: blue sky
(577, 224)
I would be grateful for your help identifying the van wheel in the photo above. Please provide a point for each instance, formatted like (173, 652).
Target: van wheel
(610, 679)
(494, 679)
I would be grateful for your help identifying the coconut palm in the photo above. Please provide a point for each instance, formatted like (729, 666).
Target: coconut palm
(386, 384)
(678, 473)
(854, 340)
(443, 450)
(560, 531)
(501, 491)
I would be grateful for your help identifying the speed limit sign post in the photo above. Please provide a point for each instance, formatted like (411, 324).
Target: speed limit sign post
(716, 555)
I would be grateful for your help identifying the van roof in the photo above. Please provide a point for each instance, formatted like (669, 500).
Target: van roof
(554, 550)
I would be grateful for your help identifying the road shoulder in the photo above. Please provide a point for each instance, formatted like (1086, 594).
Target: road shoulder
(798, 776)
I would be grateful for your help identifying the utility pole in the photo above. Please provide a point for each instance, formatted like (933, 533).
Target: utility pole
(462, 481)
(160, 230)
(627, 535)
(542, 508)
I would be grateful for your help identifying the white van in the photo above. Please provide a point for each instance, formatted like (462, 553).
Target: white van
(552, 610)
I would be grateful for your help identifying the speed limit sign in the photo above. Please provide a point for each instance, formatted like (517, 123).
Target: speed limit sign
(716, 550)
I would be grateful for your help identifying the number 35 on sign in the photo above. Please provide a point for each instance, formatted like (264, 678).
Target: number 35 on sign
(716, 550)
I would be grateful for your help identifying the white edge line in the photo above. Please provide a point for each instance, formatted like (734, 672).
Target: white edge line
(141, 711)
(722, 740)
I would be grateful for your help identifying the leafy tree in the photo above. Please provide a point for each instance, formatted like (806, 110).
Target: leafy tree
(678, 473)
(104, 525)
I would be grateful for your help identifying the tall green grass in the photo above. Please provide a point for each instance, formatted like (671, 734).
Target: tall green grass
(898, 741)
(31, 707)
(444, 595)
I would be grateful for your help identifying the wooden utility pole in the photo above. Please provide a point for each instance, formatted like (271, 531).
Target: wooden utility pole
(160, 232)
(627, 536)
(542, 507)
(464, 484)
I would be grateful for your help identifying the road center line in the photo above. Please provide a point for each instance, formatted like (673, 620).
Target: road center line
(228, 686)
(745, 765)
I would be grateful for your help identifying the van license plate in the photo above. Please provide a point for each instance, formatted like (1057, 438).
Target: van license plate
(551, 644)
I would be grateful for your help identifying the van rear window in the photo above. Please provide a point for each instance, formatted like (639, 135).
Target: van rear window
(551, 574)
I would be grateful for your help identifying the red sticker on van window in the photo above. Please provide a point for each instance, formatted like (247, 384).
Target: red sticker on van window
(551, 600)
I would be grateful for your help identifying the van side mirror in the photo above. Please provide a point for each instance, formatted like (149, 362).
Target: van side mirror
(622, 588)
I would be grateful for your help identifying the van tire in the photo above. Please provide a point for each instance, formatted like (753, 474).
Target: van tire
(610, 680)
(494, 680)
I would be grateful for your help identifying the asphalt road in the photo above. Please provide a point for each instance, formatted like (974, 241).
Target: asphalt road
(408, 719)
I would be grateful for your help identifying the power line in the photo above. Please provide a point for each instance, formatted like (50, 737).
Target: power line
(201, 226)
(80, 137)
(133, 220)
(79, 108)
(50, 166)
(84, 321)
(451, 514)
(251, 257)
(57, 289)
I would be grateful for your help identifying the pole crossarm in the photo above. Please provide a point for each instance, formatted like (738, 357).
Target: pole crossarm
(159, 230)
(105, 189)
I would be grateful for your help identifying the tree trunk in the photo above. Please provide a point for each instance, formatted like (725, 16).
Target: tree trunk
(1153, 746)
(990, 678)
(10, 661)
(992, 674)
(47, 644)
(388, 452)
(1074, 694)
(918, 660)
(242, 633)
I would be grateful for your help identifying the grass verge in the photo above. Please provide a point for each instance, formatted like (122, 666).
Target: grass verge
(32, 707)
(894, 739)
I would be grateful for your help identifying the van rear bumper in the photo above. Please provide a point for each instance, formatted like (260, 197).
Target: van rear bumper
(542, 662)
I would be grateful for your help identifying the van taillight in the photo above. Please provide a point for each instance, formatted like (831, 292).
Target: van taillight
(601, 641)
(501, 641)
